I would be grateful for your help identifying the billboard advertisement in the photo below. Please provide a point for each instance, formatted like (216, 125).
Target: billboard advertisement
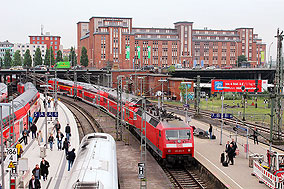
(239, 85)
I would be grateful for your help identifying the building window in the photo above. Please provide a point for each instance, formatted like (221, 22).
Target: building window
(37, 38)
(33, 38)
(55, 47)
(42, 42)
(38, 42)
(51, 43)
(55, 42)
(50, 38)
(42, 38)
(55, 38)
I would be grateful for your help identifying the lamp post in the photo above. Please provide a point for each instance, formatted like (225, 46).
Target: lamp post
(186, 101)
(162, 80)
(2, 145)
(269, 54)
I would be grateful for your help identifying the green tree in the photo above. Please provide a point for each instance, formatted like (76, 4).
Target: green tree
(65, 59)
(37, 58)
(73, 57)
(27, 59)
(241, 58)
(171, 69)
(59, 56)
(47, 61)
(17, 58)
(84, 57)
(1, 62)
(7, 59)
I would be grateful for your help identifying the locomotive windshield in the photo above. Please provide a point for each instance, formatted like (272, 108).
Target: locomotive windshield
(177, 134)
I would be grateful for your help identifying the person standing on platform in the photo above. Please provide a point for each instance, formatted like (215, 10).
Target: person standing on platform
(34, 183)
(49, 102)
(59, 137)
(37, 172)
(51, 141)
(227, 146)
(39, 137)
(255, 140)
(19, 150)
(57, 126)
(44, 165)
(30, 122)
(234, 146)
(68, 131)
(71, 157)
(25, 134)
(33, 129)
(231, 153)
(66, 144)
(210, 131)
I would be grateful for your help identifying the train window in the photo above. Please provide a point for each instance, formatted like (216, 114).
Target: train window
(97, 136)
(160, 133)
(154, 122)
(99, 98)
(134, 116)
(139, 112)
(177, 134)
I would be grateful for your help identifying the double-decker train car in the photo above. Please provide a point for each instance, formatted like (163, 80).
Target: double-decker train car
(168, 136)
(23, 106)
(95, 165)
(3, 92)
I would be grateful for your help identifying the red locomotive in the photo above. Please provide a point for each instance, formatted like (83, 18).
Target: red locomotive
(168, 136)
(24, 105)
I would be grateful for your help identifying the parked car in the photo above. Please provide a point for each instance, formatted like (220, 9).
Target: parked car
(211, 68)
(197, 67)
(227, 67)
(40, 67)
(77, 67)
(16, 68)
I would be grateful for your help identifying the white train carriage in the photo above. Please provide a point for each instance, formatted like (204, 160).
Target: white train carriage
(95, 165)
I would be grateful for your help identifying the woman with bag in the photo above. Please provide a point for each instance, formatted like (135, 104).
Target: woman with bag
(39, 137)
(19, 150)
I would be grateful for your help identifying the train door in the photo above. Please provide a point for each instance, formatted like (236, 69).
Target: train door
(21, 126)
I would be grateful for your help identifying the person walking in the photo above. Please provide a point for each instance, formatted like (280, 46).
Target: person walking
(30, 121)
(255, 140)
(59, 137)
(25, 134)
(66, 145)
(49, 102)
(210, 131)
(68, 131)
(51, 141)
(33, 129)
(44, 165)
(71, 157)
(37, 172)
(19, 150)
(57, 126)
(39, 137)
(34, 183)
(231, 154)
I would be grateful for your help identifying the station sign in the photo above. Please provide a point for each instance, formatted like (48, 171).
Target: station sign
(242, 128)
(218, 116)
(11, 154)
(141, 170)
(48, 114)
(238, 85)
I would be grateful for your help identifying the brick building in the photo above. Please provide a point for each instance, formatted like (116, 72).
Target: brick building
(49, 40)
(113, 40)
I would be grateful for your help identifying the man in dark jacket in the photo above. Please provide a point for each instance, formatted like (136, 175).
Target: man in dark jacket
(25, 134)
(71, 157)
(210, 131)
(234, 146)
(57, 126)
(231, 153)
(34, 183)
(67, 131)
(44, 165)
(33, 129)
(59, 137)
(66, 144)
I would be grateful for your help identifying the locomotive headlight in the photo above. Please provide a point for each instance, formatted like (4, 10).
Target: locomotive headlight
(188, 150)
(179, 141)
(169, 151)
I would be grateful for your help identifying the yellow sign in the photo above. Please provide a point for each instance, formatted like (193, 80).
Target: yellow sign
(11, 165)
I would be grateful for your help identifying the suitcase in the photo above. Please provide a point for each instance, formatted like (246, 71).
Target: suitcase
(213, 137)
(222, 157)
(225, 164)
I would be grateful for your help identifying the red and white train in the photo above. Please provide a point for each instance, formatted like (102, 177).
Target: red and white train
(24, 105)
(3, 92)
(170, 138)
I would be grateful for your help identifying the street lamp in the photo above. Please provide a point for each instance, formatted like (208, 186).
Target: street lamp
(2, 145)
(269, 54)
(186, 103)
(162, 80)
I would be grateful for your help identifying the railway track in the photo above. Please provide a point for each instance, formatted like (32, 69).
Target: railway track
(183, 178)
(85, 122)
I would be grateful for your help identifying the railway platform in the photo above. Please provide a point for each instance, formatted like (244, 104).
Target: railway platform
(208, 153)
(58, 173)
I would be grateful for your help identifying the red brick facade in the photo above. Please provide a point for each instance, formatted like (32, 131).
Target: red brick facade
(107, 38)
(50, 41)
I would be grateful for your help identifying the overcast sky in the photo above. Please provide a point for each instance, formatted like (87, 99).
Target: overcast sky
(19, 19)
